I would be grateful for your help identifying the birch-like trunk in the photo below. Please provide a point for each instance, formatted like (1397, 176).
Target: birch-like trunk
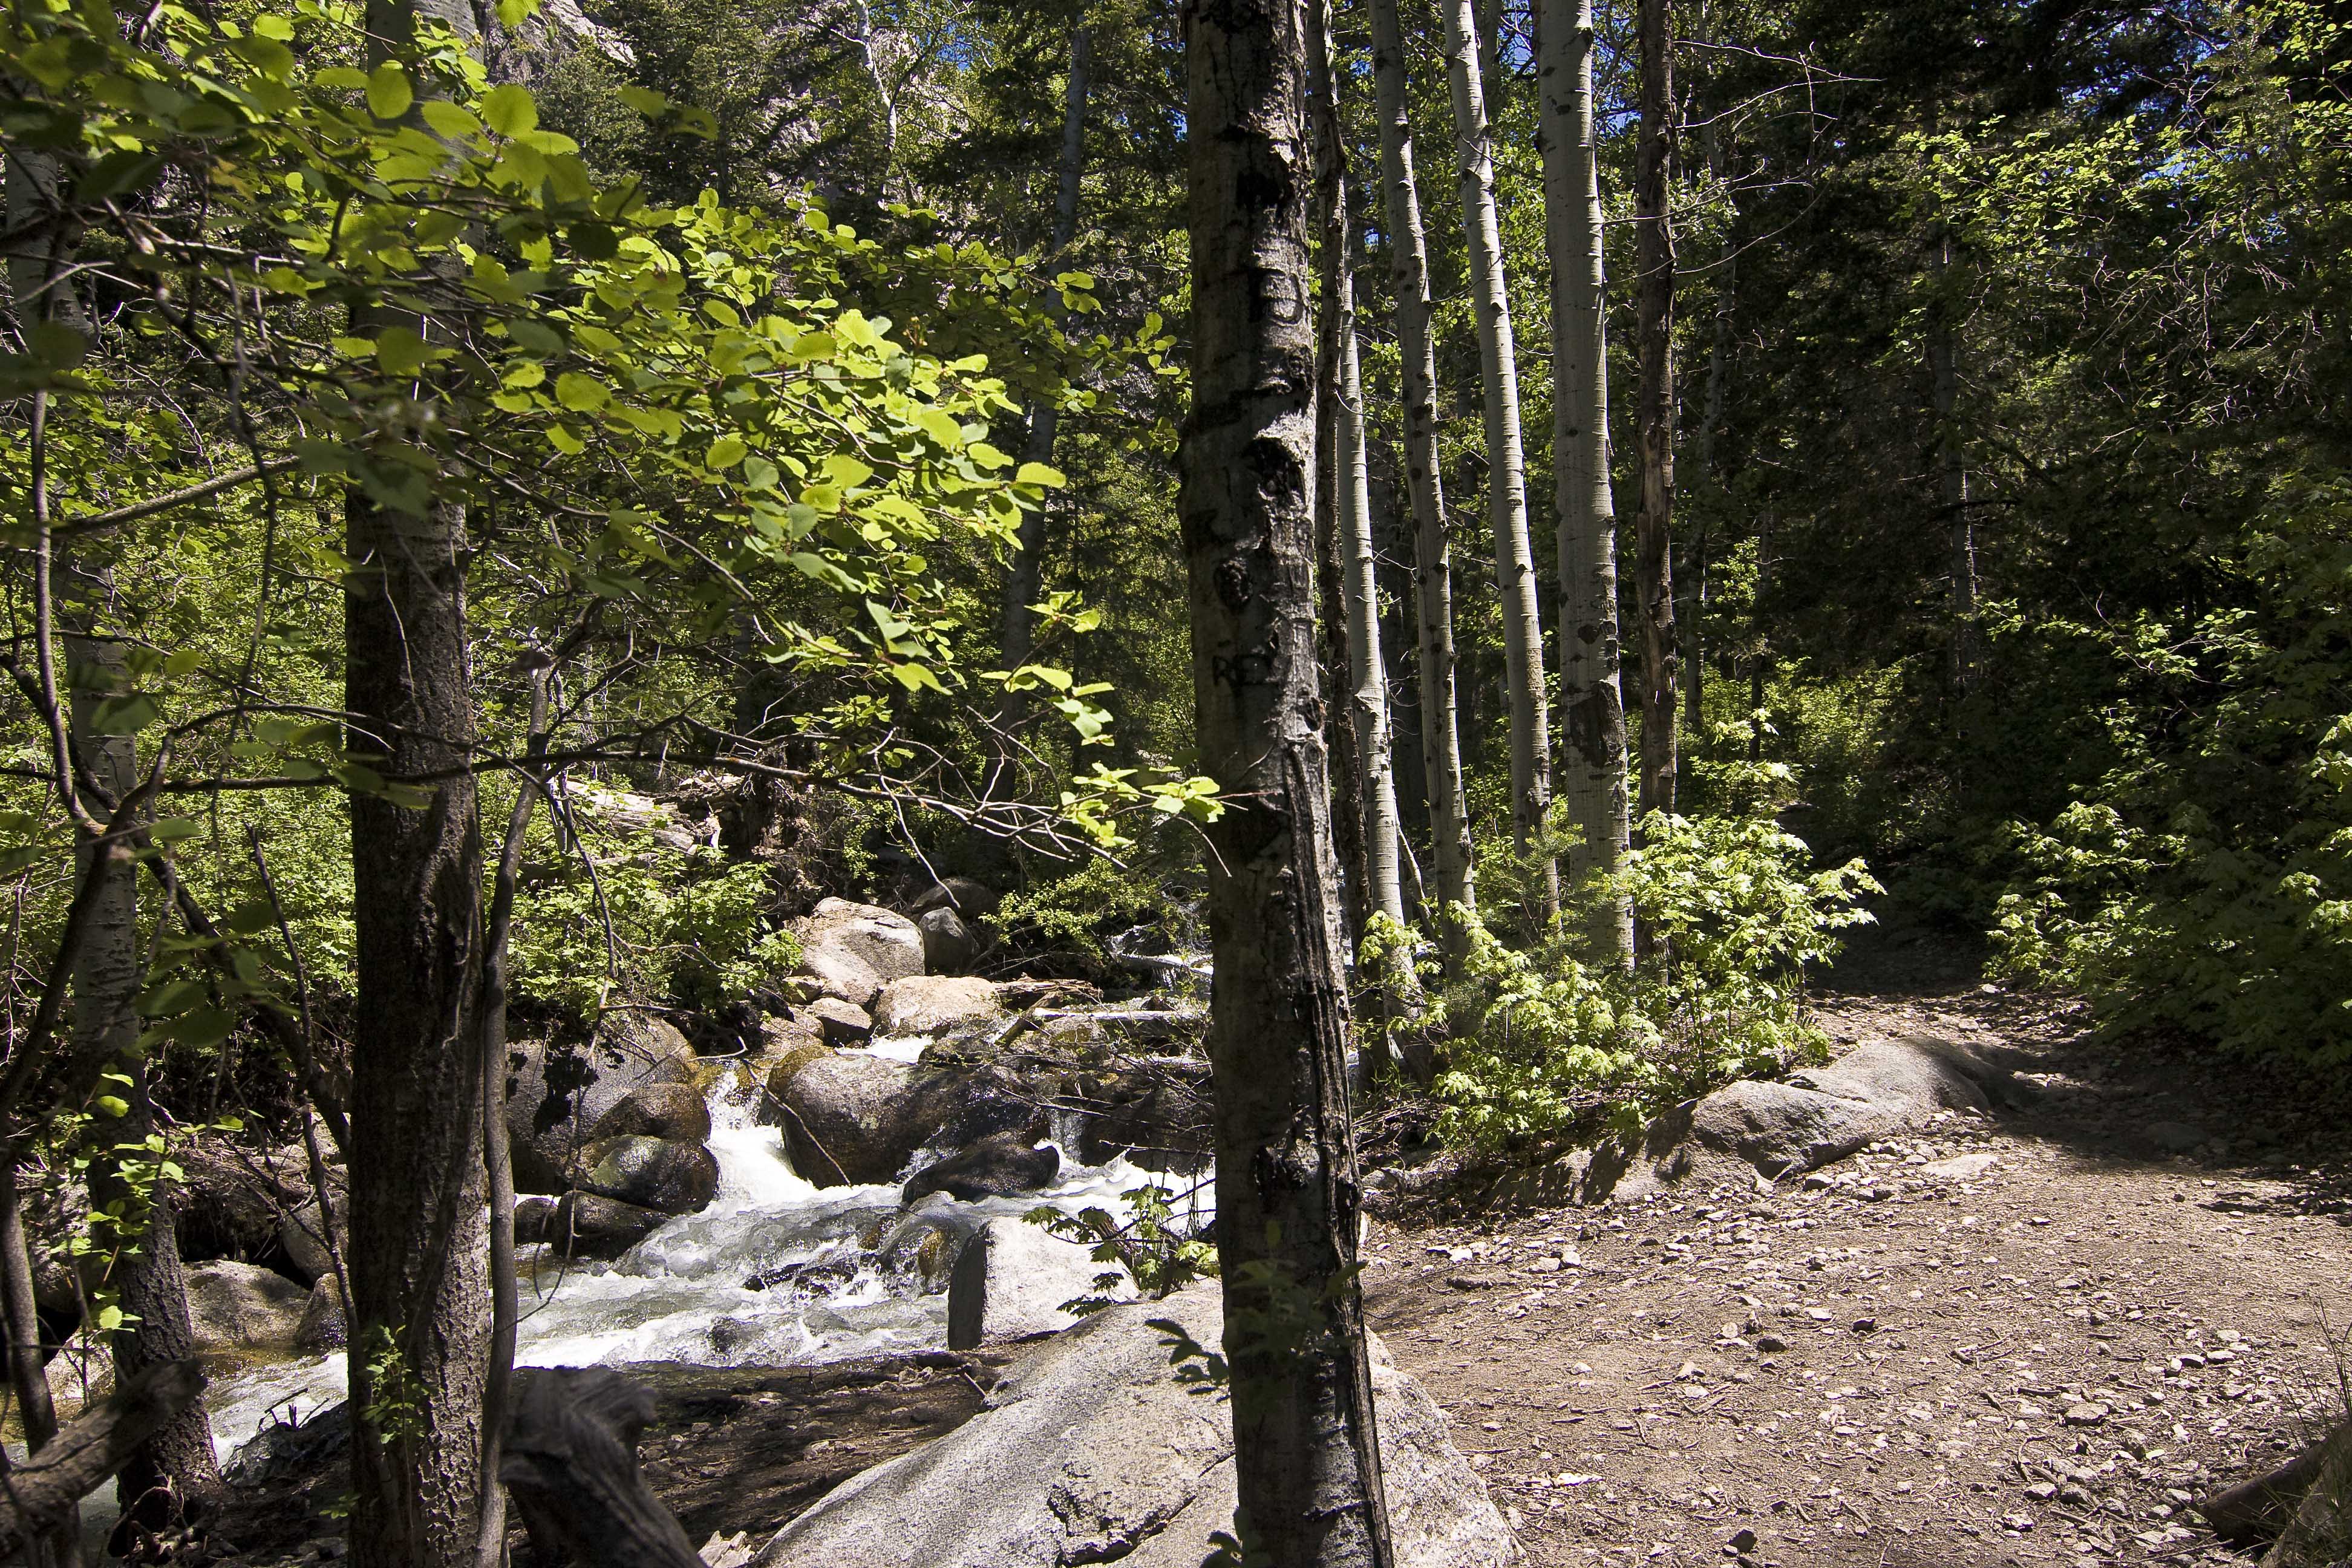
(176, 1466)
(1507, 494)
(1952, 480)
(1307, 1460)
(1024, 576)
(1591, 704)
(1433, 571)
(1655, 299)
(1380, 889)
(420, 1316)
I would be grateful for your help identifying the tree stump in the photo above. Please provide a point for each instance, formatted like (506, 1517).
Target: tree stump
(571, 1465)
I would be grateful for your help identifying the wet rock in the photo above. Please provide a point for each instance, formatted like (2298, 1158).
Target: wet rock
(1012, 1280)
(302, 1237)
(845, 1117)
(673, 1111)
(533, 1215)
(650, 1172)
(849, 1118)
(557, 1093)
(588, 1225)
(838, 1022)
(243, 1306)
(996, 1166)
(949, 943)
(1092, 1451)
(1158, 1114)
(933, 1004)
(973, 900)
(924, 1243)
(325, 1326)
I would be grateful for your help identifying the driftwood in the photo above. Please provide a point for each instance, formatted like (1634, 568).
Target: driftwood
(2258, 1510)
(570, 1462)
(89, 1450)
(2321, 1530)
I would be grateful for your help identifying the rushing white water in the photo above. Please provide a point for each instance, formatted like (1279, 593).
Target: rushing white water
(774, 1272)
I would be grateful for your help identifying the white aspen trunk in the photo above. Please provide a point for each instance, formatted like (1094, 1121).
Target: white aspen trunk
(1591, 703)
(1507, 498)
(1024, 578)
(1654, 296)
(1433, 573)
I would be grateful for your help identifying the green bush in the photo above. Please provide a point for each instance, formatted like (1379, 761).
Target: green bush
(685, 927)
(2205, 884)
(1546, 1044)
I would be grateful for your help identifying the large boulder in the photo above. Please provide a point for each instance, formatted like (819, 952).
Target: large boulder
(1157, 1113)
(950, 945)
(839, 1023)
(1913, 1076)
(651, 1173)
(1780, 1128)
(933, 1005)
(997, 1166)
(236, 1306)
(588, 1225)
(1013, 1279)
(852, 951)
(559, 1092)
(854, 1119)
(1092, 1451)
(234, 1195)
(673, 1111)
(302, 1237)
(325, 1325)
(975, 902)
(80, 1373)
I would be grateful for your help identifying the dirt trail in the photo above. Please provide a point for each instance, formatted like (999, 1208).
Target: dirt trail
(2028, 1339)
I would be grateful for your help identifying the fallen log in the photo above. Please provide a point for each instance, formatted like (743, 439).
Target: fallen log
(570, 1462)
(89, 1450)
(2320, 1532)
(2258, 1510)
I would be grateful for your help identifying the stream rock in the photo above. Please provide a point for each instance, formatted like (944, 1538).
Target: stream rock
(971, 899)
(933, 1004)
(325, 1326)
(588, 1225)
(997, 1166)
(302, 1237)
(850, 1118)
(851, 950)
(1157, 1113)
(651, 1173)
(558, 1094)
(951, 946)
(234, 1195)
(674, 1111)
(243, 1306)
(1011, 1278)
(1091, 1451)
(839, 1023)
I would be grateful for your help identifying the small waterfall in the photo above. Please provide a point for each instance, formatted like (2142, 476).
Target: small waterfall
(774, 1272)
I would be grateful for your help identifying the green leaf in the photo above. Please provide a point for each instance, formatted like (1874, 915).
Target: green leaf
(58, 345)
(510, 110)
(171, 830)
(111, 1105)
(644, 100)
(115, 174)
(1039, 474)
(389, 94)
(536, 336)
(125, 715)
(400, 351)
(450, 121)
(583, 393)
(725, 453)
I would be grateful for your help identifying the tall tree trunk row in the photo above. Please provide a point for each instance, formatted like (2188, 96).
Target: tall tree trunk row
(1592, 708)
(1433, 572)
(1507, 498)
(1655, 305)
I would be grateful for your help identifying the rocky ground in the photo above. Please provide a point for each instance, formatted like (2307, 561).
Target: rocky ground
(2025, 1339)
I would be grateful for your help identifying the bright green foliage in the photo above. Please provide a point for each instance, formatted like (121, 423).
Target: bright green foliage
(1156, 1250)
(1545, 1045)
(637, 918)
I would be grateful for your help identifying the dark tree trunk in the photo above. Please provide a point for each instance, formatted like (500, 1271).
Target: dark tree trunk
(1655, 422)
(1288, 1207)
(419, 1317)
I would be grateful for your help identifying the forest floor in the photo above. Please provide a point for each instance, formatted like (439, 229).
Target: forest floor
(2023, 1340)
